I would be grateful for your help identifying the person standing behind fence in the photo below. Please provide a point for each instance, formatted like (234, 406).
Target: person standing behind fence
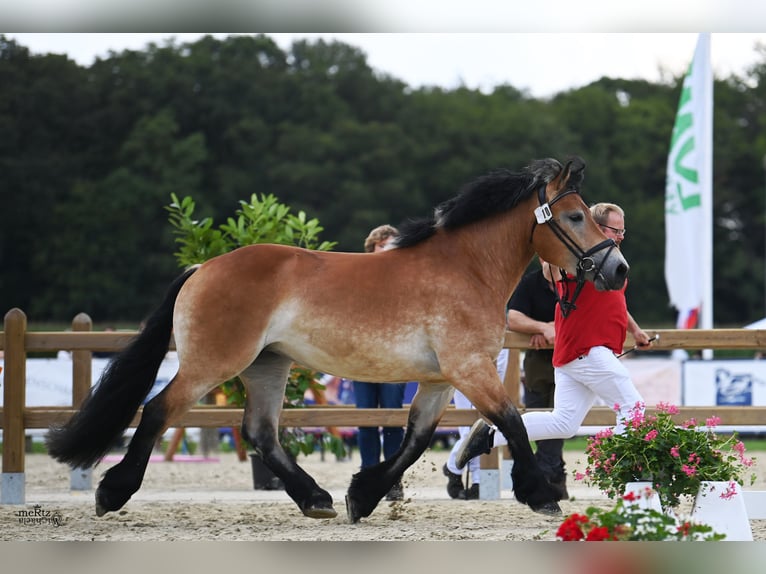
(585, 361)
(531, 311)
(380, 395)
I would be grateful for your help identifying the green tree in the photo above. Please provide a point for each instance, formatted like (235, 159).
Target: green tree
(117, 242)
(262, 220)
(90, 154)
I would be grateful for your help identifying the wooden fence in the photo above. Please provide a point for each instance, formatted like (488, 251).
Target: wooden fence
(16, 417)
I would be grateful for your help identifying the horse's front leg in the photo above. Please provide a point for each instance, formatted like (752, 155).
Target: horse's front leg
(265, 382)
(371, 484)
(484, 389)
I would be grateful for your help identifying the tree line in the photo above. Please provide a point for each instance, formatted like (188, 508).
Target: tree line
(91, 155)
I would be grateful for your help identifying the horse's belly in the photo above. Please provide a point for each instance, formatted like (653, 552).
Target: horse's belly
(387, 364)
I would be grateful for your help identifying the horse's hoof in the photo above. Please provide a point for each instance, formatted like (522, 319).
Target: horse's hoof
(316, 512)
(107, 501)
(101, 505)
(351, 511)
(549, 509)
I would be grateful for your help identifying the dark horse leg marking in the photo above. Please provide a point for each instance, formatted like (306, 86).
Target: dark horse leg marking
(371, 484)
(529, 483)
(123, 480)
(265, 382)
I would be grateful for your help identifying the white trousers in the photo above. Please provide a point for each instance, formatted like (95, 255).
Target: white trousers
(599, 374)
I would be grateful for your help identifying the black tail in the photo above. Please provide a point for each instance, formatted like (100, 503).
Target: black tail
(114, 400)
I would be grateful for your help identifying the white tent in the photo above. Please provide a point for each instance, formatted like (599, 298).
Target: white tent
(757, 325)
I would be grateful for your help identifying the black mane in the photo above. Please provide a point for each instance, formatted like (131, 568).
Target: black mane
(498, 191)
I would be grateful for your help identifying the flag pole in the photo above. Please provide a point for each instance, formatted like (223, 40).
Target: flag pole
(689, 197)
(706, 177)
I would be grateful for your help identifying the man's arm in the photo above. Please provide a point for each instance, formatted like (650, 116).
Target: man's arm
(521, 323)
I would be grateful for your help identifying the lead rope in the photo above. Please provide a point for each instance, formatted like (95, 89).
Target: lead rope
(566, 304)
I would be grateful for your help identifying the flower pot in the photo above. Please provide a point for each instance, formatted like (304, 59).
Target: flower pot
(641, 489)
(263, 478)
(720, 504)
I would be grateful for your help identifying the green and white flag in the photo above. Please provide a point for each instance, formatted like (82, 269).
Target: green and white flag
(689, 196)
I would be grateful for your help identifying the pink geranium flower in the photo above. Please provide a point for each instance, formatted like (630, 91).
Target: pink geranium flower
(713, 421)
(674, 457)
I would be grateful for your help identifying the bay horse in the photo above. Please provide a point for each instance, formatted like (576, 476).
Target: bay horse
(432, 309)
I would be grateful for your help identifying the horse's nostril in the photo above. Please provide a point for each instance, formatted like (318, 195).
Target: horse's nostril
(623, 269)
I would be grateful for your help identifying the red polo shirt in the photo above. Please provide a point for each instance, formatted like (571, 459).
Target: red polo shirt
(600, 319)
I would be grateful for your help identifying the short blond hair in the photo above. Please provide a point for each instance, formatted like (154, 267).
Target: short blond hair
(601, 211)
(380, 233)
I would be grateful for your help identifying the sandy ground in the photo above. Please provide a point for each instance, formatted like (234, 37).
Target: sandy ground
(215, 501)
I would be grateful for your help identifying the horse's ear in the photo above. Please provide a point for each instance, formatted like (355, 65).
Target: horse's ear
(574, 172)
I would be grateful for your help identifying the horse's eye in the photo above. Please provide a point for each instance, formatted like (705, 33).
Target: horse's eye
(576, 217)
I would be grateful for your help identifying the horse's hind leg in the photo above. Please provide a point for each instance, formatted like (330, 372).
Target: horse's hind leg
(265, 382)
(122, 480)
(371, 484)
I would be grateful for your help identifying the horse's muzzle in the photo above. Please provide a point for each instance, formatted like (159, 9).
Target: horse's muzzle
(613, 273)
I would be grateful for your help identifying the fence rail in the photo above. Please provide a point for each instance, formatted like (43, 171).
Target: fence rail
(17, 343)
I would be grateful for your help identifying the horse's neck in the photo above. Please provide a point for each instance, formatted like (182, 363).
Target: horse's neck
(498, 250)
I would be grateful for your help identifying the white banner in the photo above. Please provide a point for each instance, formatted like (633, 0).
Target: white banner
(733, 382)
(49, 381)
(688, 195)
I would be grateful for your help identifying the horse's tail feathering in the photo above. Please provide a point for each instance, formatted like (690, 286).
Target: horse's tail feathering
(124, 384)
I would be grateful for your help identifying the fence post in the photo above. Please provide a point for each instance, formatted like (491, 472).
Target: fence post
(12, 486)
(512, 384)
(82, 376)
(496, 466)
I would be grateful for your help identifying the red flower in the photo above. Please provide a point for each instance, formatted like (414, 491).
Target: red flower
(598, 534)
(685, 528)
(570, 530)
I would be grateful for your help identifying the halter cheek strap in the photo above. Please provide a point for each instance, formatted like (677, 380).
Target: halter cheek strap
(585, 261)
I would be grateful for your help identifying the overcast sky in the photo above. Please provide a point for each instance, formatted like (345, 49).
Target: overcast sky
(542, 63)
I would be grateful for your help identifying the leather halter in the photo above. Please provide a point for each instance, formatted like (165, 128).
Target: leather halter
(585, 262)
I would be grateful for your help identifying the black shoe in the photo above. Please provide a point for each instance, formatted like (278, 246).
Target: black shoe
(454, 482)
(479, 440)
(471, 493)
(396, 492)
(561, 487)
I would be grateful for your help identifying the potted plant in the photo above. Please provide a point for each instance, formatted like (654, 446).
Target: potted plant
(676, 459)
(631, 520)
(262, 220)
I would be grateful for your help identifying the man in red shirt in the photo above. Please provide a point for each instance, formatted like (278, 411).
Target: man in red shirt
(586, 343)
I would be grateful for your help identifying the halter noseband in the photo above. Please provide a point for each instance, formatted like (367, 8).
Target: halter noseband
(585, 262)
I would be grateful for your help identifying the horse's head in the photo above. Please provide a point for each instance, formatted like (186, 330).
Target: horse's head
(564, 231)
